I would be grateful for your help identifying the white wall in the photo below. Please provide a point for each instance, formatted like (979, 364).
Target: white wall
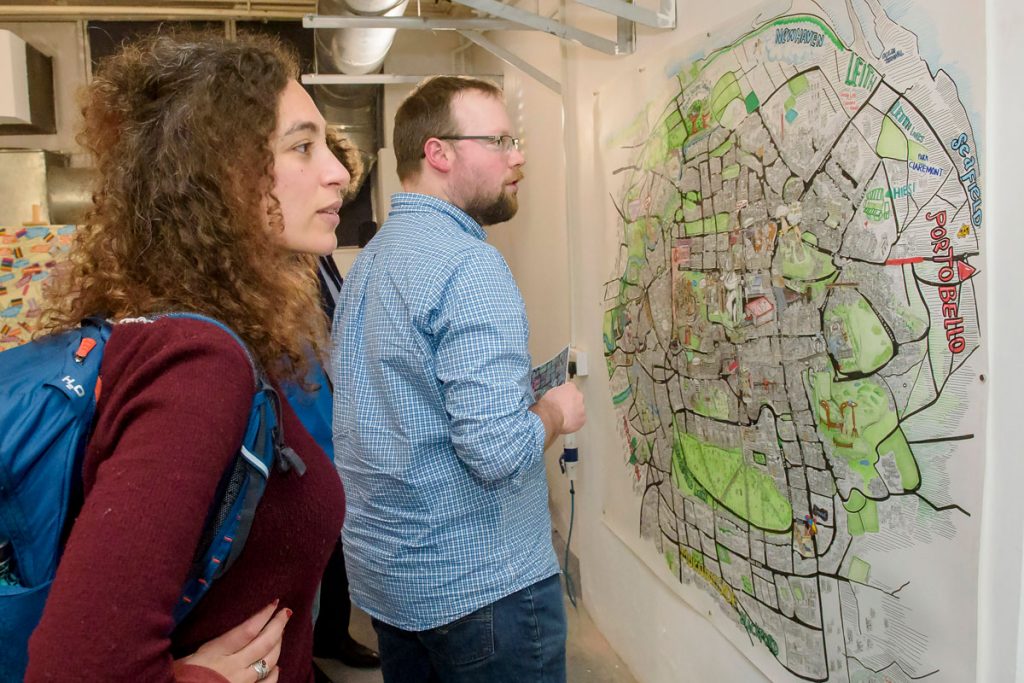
(659, 637)
(413, 53)
(1000, 639)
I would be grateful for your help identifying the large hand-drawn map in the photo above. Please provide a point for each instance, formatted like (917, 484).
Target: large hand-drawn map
(793, 340)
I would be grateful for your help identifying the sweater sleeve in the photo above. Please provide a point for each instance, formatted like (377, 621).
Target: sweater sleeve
(176, 398)
(190, 673)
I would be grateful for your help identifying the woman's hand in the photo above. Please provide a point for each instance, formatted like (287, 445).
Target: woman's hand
(237, 654)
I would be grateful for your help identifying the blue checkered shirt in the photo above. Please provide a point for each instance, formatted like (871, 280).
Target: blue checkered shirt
(442, 460)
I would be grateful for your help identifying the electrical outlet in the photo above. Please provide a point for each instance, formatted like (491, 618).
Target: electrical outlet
(577, 362)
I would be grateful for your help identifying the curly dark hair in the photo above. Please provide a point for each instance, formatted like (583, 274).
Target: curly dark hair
(348, 154)
(179, 126)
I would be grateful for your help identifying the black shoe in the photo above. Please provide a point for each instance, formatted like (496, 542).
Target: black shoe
(358, 656)
(351, 654)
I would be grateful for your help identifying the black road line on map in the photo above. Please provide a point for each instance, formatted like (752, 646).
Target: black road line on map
(941, 508)
(650, 466)
(941, 387)
(920, 370)
(618, 210)
(777, 611)
(897, 665)
(891, 594)
(821, 166)
(928, 345)
(942, 439)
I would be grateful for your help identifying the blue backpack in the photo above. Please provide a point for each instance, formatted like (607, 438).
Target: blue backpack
(313, 406)
(48, 391)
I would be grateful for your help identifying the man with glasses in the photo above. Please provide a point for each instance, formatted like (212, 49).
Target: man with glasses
(438, 438)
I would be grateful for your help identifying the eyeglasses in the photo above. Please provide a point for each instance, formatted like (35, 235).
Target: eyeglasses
(505, 143)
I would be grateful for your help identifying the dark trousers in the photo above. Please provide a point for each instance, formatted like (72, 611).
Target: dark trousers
(518, 639)
(335, 609)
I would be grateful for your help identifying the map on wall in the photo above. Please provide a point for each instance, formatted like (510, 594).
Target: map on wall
(793, 336)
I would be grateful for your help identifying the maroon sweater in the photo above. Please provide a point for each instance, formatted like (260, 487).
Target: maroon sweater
(175, 400)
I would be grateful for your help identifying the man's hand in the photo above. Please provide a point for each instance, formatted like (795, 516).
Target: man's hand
(562, 412)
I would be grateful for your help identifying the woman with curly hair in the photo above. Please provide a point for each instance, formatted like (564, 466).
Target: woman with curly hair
(216, 192)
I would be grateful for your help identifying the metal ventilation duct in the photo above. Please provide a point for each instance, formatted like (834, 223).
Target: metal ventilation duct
(354, 110)
(357, 50)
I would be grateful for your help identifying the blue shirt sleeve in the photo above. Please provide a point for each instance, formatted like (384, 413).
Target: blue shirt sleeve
(481, 334)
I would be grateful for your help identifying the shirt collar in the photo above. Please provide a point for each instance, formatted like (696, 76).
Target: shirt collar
(411, 202)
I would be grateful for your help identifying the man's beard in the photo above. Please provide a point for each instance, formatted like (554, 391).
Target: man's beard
(486, 211)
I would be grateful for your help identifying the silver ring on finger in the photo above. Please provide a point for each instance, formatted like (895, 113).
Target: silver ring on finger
(262, 669)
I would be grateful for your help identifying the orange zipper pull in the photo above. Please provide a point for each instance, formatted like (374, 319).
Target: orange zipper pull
(87, 345)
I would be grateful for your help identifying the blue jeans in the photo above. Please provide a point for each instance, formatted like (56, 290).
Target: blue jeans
(518, 639)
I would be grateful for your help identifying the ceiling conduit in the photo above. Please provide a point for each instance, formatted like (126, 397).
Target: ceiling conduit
(354, 110)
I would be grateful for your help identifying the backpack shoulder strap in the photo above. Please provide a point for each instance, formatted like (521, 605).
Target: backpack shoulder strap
(231, 516)
(257, 371)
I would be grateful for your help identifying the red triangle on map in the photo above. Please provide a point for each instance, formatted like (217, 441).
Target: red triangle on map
(965, 270)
